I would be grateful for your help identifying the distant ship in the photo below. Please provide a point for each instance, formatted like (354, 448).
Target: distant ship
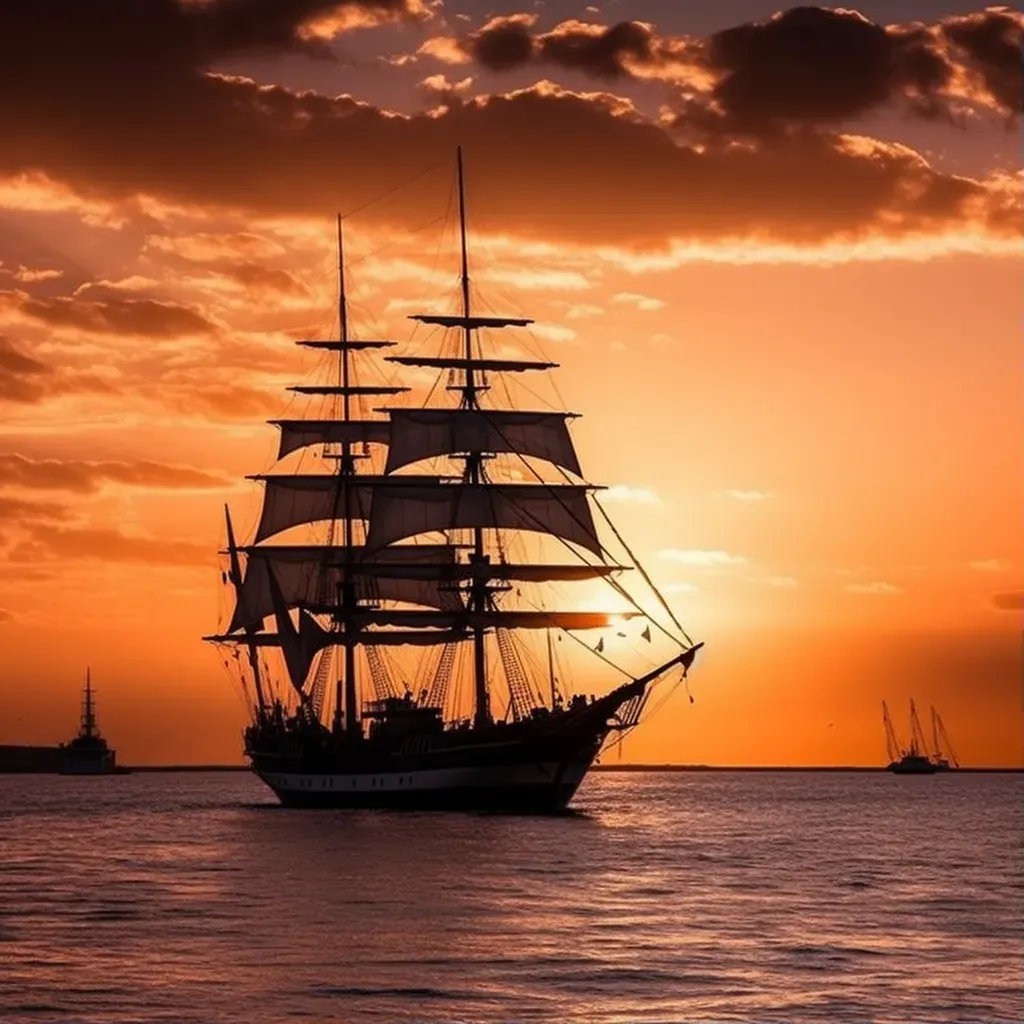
(380, 739)
(87, 753)
(915, 759)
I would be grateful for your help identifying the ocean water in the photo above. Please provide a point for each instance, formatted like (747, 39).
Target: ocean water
(667, 897)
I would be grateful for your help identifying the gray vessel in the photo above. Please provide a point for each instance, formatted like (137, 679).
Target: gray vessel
(88, 753)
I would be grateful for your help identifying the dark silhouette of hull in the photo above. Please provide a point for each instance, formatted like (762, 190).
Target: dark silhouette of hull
(534, 765)
(912, 764)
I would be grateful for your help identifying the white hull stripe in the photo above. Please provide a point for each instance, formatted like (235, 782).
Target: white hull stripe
(503, 776)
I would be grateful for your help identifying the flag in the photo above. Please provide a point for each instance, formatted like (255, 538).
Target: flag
(646, 634)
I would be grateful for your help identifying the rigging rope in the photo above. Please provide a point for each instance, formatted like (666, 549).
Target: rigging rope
(647, 579)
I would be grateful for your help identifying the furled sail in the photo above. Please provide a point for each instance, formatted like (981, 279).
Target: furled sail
(561, 510)
(426, 433)
(488, 619)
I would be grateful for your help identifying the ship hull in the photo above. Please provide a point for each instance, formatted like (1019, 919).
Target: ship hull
(912, 766)
(532, 766)
(539, 788)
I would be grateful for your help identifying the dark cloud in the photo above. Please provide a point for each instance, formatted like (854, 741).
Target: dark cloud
(257, 277)
(1012, 601)
(599, 53)
(502, 44)
(805, 65)
(144, 317)
(25, 379)
(87, 477)
(814, 65)
(22, 378)
(608, 175)
(991, 41)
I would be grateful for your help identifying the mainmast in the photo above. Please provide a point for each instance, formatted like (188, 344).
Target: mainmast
(346, 470)
(478, 594)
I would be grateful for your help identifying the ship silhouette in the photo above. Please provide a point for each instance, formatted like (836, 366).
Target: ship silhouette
(375, 585)
(915, 758)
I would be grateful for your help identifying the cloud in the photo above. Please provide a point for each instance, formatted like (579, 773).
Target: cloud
(146, 105)
(18, 510)
(109, 545)
(6, 617)
(607, 52)
(24, 379)
(703, 559)
(223, 401)
(633, 495)
(679, 587)
(741, 495)
(205, 247)
(553, 332)
(1012, 601)
(782, 582)
(88, 477)
(258, 278)
(990, 43)
(839, 65)
(132, 317)
(989, 565)
(877, 589)
(581, 311)
(556, 280)
(29, 275)
(644, 302)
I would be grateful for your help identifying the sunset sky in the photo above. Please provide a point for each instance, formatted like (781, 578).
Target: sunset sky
(777, 255)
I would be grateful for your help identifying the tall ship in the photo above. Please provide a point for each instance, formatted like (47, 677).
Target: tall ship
(416, 616)
(88, 753)
(915, 758)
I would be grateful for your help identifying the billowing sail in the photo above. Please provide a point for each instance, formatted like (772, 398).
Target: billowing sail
(296, 434)
(312, 498)
(310, 577)
(425, 433)
(560, 510)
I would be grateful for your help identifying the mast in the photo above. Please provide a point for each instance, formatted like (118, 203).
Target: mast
(893, 746)
(473, 475)
(918, 747)
(346, 470)
(551, 671)
(88, 714)
(939, 729)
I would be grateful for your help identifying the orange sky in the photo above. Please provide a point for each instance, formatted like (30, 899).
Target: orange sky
(792, 326)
